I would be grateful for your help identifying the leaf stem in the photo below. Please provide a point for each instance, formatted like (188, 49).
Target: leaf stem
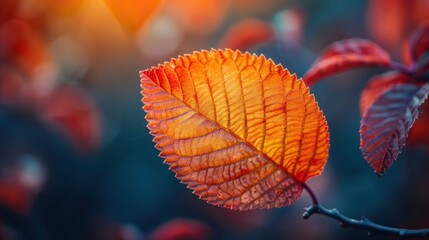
(402, 68)
(311, 193)
(362, 224)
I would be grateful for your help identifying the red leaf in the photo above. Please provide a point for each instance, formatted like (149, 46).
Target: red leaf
(23, 47)
(177, 229)
(419, 134)
(419, 43)
(422, 66)
(405, 53)
(378, 85)
(246, 34)
(13, 89)
(386, 123)
(75, 114)
(390, 20)
(8, 9)
(21, 179)
(345, 55)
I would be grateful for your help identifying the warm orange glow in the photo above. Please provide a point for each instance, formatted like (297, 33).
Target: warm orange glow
(63, 7)
(132, 14)
(241, 131)
(199, 16)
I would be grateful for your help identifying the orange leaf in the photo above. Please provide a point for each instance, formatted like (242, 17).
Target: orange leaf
(132, 14)
(241, 131)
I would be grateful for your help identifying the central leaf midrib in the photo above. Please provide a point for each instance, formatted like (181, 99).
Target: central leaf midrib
(230, 132)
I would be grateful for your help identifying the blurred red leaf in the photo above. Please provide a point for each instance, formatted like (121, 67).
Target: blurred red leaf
(345, 55)
(181, 229)
(20, 180)
(419, 43)
(26, 51)
(13, 89)
(377, 85)
(75, 114)
(132, 14)
(386, 123)
(246, 34)
(63, 7)
(419, 51)
(386, 20)
(7, 9)
(405, 53)
(422, 66)
(14, 197)
(419, 133)
(389, 21)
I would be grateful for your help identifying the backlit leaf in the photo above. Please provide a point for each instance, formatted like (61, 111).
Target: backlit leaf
(386, 123)
(345, 55)
(378, 85)
(241, 131)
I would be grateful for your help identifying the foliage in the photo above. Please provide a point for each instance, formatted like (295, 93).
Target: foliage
(244, 133)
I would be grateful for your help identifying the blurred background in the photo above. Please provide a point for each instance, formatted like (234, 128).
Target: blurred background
(76, 158)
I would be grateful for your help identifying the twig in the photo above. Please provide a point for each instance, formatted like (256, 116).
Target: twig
(362, 224)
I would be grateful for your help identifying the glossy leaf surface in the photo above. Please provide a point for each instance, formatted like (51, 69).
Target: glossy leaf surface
(241, 131)
(386, 123)
(346, 55)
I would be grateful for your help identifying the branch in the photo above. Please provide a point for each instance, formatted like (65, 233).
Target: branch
(362, 224)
